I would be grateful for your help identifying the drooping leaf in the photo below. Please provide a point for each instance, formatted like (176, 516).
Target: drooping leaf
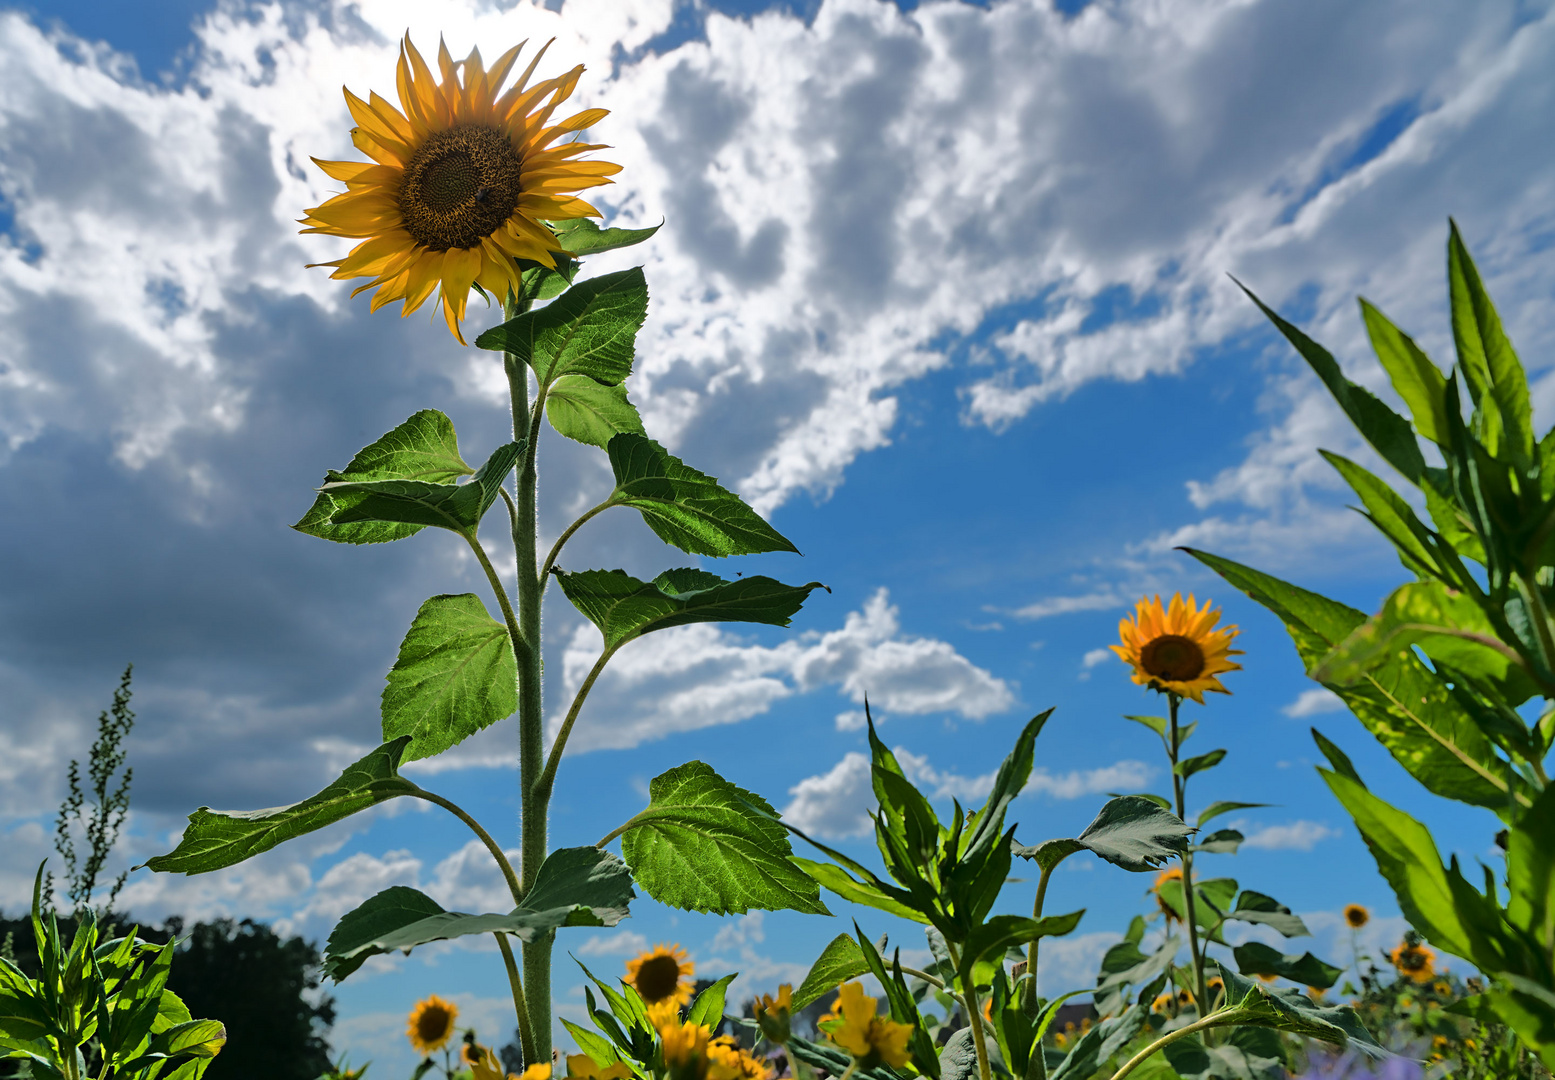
(625, 608)
(219, 838)
(1256, 958)
(958, 1060)
(844, 885)
(839, 962)
(1130, 832)
(1388, 432)
(684, 507)
(457, 507)
(1292, 1010)
(423, 448)
(1402, 703)
(590, 412)
(698, 848)
(1255, 907)
(574, 887)
(455, 675)
(580, 236)
(588, 330)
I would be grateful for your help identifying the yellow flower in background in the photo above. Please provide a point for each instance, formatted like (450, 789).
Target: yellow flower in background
(661, 1014)
(462, 181)
(861, 1032)
(535, 1072)
(431, 1024)
(1171, 873)
(773, 1014)
(726, 1059)
(486, 1065)
(581, 1065)
(1356, 916)
(687, 1054)
(1177, 649)
(1162, 1004)
(663, 973)
(1414, 961)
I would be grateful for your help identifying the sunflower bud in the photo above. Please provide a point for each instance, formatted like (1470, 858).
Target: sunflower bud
(773, 1014)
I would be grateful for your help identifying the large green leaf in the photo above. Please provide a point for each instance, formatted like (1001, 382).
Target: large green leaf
(1449, 626)
(1402, 703)
(840, 961)
(684, 507)
(1388, 432)
(1491, 368)
(219, 838)
(1416, 378)
(580, 236)
(458, 507)
(1292, 1010)
(1530, 871)
(454, 676)
(588, 330)
(1130, 832)
(1256, 958)
(625, 608)
(697, 847)
(575, 887)
(423, 448)
(590, 412)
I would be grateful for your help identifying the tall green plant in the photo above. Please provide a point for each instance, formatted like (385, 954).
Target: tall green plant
(1447, 674)
(460, 160)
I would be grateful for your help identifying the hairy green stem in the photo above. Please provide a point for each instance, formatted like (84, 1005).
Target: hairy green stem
(1214, 1020)
(531, 700)
(556, 548)
(485, 837)
(526, 1037)
(1179, 788)
(548, 777)
(974, 1018)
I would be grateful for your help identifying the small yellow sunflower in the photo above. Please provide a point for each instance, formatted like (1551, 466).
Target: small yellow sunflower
(1356, 916)
(1177, 650)
(726, 1059)
(431, 1024)
(662, 1014)
(583, 1067)
(462, 181)
(773, 1014)
(870, 1038)
(1414, 961)
(663, 973)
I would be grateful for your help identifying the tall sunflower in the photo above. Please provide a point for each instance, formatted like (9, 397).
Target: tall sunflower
(663, 973)
(1177, 649)
(461, 183)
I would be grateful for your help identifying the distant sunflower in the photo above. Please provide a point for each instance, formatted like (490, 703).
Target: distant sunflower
(663, 973)
(431, 1024)
(1414, 961)
(1356, 916)
(461, 183)
(1171, 873)
(1176, 649)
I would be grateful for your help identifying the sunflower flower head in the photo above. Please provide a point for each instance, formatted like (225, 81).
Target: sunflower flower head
(431, 1024)
(857, 1028)
(1356, 916)
(1176, 649)
(773, 1014)
(690, 1054)
(663, 973)
(1414, 961)
(462, 180)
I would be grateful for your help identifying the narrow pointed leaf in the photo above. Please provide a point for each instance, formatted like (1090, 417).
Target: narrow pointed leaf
(457, 507)
(1255, 907)
(454, 676)
(580, 236)
(839, 962)
(423, 449)
(840, 882)
(696, 847)
(1002, 931)
(1188, 766)
(1011, 779)
(218, 838)
(1130, 832)
(1215, 809)
(708, 1008)
(625, 608)
(590, 412)
(1418, 381)
(1486, 355)
(684, 507)
(588, 330)
(1392, 516)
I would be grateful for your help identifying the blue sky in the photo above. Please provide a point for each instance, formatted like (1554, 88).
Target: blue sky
(941, 288)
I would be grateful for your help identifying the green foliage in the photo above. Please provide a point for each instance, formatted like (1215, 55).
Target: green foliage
(588, 330)
(697, 846)
(404, 502)
(103, 1007)
(590, 412)
(454, 676)
(218, 838)
(1438, 674)
(841, 961)
(105, 816)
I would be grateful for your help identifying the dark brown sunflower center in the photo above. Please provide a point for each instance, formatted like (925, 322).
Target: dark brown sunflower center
(1172, 657)
(1411, 960)
(433, 1024)
(657, 978)
(460, 187)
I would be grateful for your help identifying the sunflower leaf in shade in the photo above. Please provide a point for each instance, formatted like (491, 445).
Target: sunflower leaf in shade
(590, 412)
(1256, 958)
(214, 839)
(455, 675)
(456, 507)
(1131, 832)
(580, 236)
(685, 507)
(424, 448)
(697, 847)
(588, 330)
(1220, 842)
